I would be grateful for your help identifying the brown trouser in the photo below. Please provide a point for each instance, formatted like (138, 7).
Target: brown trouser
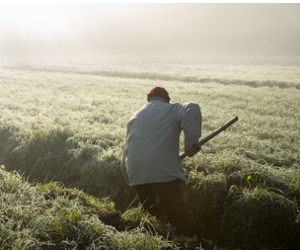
(170, 196)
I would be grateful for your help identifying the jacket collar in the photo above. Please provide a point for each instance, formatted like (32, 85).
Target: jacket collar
(157, 99)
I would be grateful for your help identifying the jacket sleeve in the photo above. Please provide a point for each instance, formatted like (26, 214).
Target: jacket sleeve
(123, 164)
(191, 122)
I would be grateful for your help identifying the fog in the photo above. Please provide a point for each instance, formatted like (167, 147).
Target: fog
(149, 30)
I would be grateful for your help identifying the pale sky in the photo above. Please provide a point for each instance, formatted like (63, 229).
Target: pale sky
(141, 30)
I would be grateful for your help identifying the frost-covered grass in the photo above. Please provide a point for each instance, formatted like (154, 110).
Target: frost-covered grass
(281, 72)
(67, 123)
(29, 221)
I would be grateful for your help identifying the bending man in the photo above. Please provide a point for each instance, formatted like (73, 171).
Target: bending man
(151, 161)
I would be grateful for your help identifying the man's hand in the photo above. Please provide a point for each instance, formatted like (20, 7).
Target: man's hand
(192, 151)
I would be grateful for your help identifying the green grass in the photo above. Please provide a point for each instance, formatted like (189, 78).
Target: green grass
(29, 221)
(66, 123)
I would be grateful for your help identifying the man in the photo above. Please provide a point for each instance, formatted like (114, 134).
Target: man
(151, 161)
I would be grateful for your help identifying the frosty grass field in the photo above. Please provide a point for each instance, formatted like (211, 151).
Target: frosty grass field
(62, 131)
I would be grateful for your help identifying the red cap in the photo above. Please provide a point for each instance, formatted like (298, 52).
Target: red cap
(159, 92)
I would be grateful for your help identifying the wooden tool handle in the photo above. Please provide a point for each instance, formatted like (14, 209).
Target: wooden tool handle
(207, 138)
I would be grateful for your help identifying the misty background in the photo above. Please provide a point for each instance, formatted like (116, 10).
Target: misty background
(149, 30)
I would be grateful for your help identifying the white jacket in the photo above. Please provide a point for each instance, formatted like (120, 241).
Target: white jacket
(151, 152)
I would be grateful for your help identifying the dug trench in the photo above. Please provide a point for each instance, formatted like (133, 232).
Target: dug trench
(114, 218)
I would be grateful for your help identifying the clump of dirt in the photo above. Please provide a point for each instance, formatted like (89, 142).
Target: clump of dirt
(54, 194)
(112, 218)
